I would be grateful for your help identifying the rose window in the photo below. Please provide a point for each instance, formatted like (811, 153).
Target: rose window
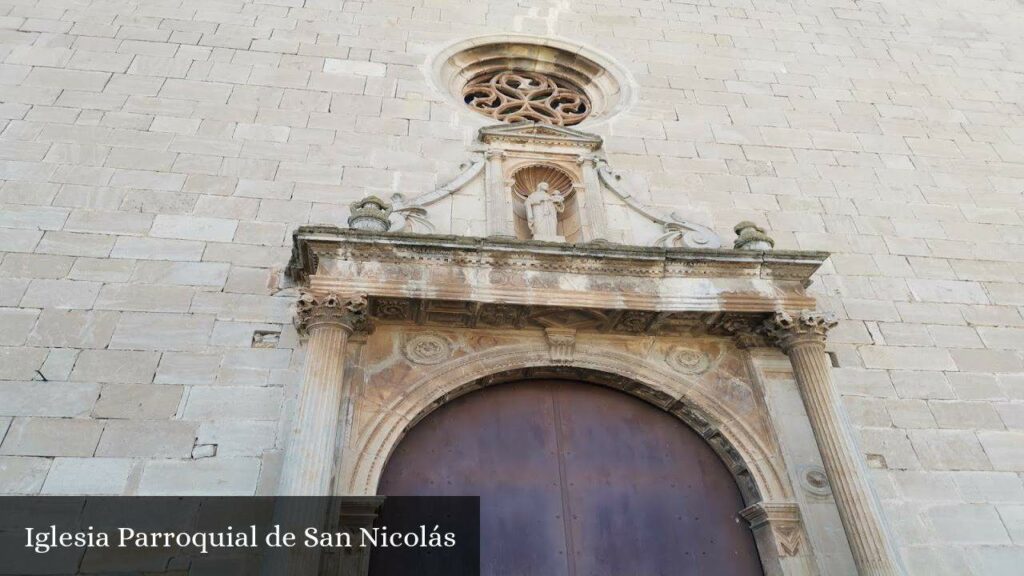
(514, 96)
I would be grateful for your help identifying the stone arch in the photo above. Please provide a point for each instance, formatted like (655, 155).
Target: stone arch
(754, 463)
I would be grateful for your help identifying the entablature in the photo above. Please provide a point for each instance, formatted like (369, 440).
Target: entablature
(468, 282)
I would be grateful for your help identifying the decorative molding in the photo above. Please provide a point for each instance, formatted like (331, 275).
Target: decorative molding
(442, 313)
(410, 215)
(561, 344)
(688, 360)
(313, 310)
(786, 330)
(501, 283)
(783, 519)
(427, 349)
(535, 134)
(313, 242)
(677, 231)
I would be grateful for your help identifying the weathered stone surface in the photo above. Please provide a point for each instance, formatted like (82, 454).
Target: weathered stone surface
(52, 437)
(156, 439)
(144, 402)
(21, 363)
(205, 477)
(21, 475)
(88, 476)
(115, 366)
(965, 523)
(187, 368)
(74, 328)
(239, 438)
(183, 273)
(58, 399)
(64, 294)
(17, 323)
(233, 403)
(144, 298)
(949, 450)
(1004, 449)
(153, 331)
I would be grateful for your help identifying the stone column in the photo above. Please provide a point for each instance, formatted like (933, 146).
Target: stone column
(803, 340)
(328, 320)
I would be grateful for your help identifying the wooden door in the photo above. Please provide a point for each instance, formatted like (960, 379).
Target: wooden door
(579, 480)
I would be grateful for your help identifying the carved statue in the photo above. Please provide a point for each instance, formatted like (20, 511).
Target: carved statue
(542, 208)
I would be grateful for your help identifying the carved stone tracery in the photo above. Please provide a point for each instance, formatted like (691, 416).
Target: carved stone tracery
(517, 96)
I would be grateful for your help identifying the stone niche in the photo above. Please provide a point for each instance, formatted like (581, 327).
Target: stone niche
(678, 327)
(508, 163)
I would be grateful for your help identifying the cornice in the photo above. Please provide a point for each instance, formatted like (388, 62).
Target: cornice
(310, 243)
(501, 283)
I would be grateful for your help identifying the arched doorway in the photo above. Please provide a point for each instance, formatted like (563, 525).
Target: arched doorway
(578, 479)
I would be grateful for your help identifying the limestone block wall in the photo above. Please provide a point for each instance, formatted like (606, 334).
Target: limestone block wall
(156, 155)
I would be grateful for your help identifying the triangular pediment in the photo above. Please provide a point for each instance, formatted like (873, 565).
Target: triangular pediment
(533, 132)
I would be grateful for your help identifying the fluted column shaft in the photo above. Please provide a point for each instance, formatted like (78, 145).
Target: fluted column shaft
(803, 339)
(309, 461)
(328, 320)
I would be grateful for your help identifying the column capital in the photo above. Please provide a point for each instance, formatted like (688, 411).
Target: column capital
(809, 326)
(784, 522)
(313, 310)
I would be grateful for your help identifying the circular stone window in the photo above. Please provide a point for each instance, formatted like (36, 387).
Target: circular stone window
(513, 78)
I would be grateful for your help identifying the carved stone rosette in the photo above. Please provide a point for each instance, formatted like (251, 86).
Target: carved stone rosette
(313, 311)
(802, 337)
(427, 349)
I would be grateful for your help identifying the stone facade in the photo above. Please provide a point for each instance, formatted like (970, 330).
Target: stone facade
(156, 158)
